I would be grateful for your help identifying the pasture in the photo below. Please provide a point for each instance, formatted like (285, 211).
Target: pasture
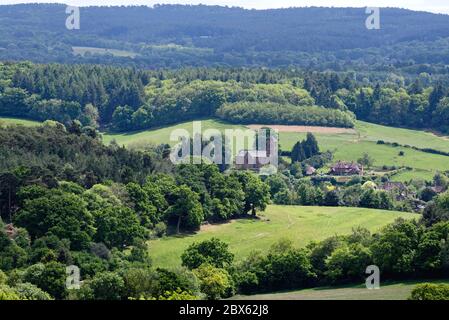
(387, 291)
(348, 145)
(297, 223)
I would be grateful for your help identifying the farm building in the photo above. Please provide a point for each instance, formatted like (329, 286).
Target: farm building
(310, 171)
(342, 168)
(399, 188)
(256, 159)
(251, 159)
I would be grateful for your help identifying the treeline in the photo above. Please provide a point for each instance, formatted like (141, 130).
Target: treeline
(129, 99)
(53, 152)
(404, 249)
(170, 102)
(92, 91)
(414, 106)
(270, 113)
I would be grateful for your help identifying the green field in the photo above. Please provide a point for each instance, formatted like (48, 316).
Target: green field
(162, 135)
(9, 121)
(388, 291)
(346, 146)
(300, 224)
(102, 51)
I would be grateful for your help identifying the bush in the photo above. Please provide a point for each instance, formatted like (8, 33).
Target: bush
(430, 291)
(214, 252)
(28, 291)
(3, 278)
(6, 293)
(50, 277)
(160, 229)
(105, 286)
(348, 263)
(215, 282)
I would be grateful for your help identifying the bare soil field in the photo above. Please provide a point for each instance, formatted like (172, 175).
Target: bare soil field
(313, 129)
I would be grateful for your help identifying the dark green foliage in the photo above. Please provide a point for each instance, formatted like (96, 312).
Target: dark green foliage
(117, 226)
(50, 277)
(172, 280)
(64, 216)
(394, 252)
(282, 268)
(257, 192)
(213, 252)
(187, 209)
(306, 149)
(104, 286)
(253, 112)
(50, 151)
(437, 210)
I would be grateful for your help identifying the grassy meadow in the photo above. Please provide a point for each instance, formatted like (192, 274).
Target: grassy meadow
(14, 121)
(345, 146)
(300, 224)
(387, 291)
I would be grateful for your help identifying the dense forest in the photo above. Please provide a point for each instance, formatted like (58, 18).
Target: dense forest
(126, 99)
(174, 36)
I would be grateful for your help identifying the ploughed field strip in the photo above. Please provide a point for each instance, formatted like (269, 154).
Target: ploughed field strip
(304, 129)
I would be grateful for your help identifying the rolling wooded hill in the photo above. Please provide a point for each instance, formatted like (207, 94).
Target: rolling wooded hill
(174, 35)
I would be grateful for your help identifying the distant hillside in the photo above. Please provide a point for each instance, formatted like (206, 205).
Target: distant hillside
(174, 35)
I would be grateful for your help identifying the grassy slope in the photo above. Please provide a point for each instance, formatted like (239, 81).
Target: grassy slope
(102, 51)
(300, 224)
(162, 135)
(388, 291)
(346, 146)
(9, 121)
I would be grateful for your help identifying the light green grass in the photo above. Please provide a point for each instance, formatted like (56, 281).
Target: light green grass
(346, 146)
(300, 224)
(162, 135)
(93, 50)
(420, 139)
(13, 121)
(387, 291)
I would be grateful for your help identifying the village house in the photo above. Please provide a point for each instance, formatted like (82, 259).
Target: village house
(342, 168)
(399, 188)
(438, 189)
(310, 171)
(10, 231)
(256, 159)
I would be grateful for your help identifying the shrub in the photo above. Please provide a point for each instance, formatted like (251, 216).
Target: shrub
(28, 291)
(6, 293)
(214, 252)
(215, 282)
(430, 291)
(160, 229)
(106, 286)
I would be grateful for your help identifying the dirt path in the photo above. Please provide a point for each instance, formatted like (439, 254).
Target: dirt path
(313, 129)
